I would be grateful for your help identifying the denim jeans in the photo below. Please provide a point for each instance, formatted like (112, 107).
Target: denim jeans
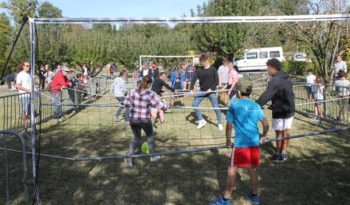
(56, 97)
(214, 102)
(126, 114)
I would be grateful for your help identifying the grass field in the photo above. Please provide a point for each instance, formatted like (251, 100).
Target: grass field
(317, 171)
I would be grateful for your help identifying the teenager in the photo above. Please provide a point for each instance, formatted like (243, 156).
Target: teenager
(139, 101)
(280, 92)
(208, 80)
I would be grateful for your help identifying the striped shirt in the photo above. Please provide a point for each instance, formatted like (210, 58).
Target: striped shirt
(140, 103)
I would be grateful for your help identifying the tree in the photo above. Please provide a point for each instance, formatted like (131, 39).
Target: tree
(47, 10)
(20, 9)
(224, 39)
(5, 38)
(322, 38)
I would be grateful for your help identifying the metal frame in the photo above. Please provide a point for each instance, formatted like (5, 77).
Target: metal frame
(202, 19)
(186, 20)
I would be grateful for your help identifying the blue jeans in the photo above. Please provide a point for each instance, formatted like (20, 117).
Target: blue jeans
(56, 98)
(214, 102)
(126, 114)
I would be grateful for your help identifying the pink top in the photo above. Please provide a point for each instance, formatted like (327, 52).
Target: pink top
(232, 76)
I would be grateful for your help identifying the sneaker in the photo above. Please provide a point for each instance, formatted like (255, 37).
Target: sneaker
(129, 162)
(220, 127)
(281, 158)
(155, 158)
(253, 199)
(220, 201)
(117, 118)
(274, 157)
(201, 124)
(284, 157)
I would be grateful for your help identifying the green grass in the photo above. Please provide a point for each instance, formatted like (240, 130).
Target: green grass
(317, 171)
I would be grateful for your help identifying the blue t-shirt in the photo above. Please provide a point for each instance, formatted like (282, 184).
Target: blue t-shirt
(245, 116)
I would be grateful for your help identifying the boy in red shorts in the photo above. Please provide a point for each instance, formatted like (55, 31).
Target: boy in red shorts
(245, 115)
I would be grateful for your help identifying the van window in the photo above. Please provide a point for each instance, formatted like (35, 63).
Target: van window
(263, 54)
(275, 54)
(252, 55)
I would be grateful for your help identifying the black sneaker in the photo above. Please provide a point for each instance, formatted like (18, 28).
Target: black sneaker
(282, 158)
(274, 157)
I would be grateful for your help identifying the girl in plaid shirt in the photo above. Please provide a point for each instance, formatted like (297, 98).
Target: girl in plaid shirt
(139, 101)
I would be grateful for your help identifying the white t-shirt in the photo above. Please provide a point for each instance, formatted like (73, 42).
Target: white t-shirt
(342, 87)
(310, 79)
(119, 87)
(50, 76)
(23, 78)
(338, 66)
(223, 74)
(319, 95)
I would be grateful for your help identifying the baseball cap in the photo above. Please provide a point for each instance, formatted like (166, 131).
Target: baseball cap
(66, 69)
(145, 63)
(245, 86)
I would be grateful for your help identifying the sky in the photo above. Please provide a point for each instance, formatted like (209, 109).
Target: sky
(125, 8)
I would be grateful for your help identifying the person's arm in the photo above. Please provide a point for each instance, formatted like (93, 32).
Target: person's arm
(265, 126)
(216, 80)
(194, 79)
(229, 127)
(167, 86)
(63, 81)
(127, 100)
(269, 93)
(155, 102)
(345, 67)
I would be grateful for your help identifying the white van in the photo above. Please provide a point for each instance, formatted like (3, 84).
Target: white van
(256, 58)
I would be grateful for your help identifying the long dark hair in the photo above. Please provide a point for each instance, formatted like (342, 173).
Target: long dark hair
(145, 82)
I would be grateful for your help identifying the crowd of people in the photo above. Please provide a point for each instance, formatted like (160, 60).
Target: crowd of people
(144, 104)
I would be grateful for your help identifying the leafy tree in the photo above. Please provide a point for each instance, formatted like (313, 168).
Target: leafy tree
(20, 9)
(5, 38)
(47, 10)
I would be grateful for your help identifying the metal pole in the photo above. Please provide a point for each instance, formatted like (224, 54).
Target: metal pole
(32, 107)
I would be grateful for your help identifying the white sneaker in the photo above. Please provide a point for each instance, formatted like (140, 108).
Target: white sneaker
(129, 162)
(201, 124)
(155, 158)
(220, 127)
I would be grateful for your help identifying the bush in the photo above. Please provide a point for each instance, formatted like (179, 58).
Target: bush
(296, 67)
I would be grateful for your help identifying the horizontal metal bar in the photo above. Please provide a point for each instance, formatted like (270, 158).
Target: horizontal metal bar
(209, 19)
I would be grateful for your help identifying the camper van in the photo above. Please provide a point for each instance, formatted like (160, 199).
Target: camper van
(255, 59)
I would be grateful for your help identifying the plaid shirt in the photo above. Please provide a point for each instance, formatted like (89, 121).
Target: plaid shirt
(140, 104)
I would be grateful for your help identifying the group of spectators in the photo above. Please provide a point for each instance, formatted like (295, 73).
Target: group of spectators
(316, 89)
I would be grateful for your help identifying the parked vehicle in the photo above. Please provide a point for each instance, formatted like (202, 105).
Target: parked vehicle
(255, 59)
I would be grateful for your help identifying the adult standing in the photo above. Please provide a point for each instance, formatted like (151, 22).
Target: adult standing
(146, 71)
(155, 70)
(231, 81)
(42, 77)
(223, 76)
(59, 81)
(24, 86)
(342, 86)
(189, 71)
(339, 65)
(208, 80)
(49, 76)
(280, 92)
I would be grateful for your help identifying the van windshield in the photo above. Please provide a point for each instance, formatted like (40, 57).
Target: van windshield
(239, 58)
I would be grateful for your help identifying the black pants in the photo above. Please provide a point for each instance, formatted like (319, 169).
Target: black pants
(136, 130)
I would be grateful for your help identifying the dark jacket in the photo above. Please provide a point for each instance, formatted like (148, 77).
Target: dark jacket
(158, 84)
(280, 92)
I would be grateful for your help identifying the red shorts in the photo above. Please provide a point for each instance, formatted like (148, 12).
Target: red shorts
(245, 157)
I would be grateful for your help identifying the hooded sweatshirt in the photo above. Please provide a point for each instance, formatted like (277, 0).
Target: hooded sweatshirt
(280, 92)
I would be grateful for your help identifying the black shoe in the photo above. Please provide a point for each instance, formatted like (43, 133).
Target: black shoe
(274, 157)
(282, 158)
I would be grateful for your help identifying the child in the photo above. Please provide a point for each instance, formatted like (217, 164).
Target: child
(342, 86)
(139, 101)
(245, 115)
(310, 81)
(319, 97)
(178, 80)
